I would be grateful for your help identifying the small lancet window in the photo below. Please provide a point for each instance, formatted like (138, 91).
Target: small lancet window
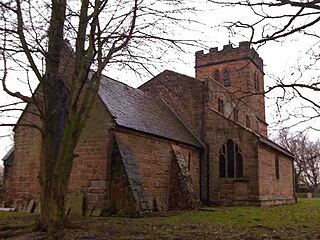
(230, 158)
(248, 124)
(256, 81)
(226, 77)
(236, 114)
(276, 163)
(217, 75)
(220, 106)
(222, 166)
(239, 165)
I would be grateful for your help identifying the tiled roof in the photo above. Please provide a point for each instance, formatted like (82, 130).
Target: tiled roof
(174, 76)
(275, 146)
(133, 109)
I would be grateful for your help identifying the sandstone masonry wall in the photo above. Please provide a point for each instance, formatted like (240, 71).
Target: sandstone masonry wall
(154, 159)
(224, 190)
(89, 169)
(23, 182)
(182, 93)
(245, 71)
(273, 190)
(232, 106)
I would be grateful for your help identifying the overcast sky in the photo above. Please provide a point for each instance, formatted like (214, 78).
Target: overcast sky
(279, 59)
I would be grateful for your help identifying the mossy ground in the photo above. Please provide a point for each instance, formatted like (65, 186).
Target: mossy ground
(299, 221)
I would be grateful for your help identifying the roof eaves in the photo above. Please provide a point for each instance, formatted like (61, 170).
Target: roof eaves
(190, 138)
(200, 142)
(157, 136)
(8, 154)
(166, 72)
(275, 146)
(261, 138)
(236, 123)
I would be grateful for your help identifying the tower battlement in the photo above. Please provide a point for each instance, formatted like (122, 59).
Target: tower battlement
(228, 54)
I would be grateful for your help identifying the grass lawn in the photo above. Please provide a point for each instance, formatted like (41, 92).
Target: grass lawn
(299, 221)
(305, 213)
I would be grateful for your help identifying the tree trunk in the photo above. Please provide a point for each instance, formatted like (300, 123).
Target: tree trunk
(53, 191)
(53, 188)
(52, 215)
(55, 168)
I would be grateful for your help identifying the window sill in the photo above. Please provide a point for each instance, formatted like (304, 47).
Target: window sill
(237, 179)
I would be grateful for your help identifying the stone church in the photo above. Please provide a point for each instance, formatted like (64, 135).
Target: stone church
(176, 142)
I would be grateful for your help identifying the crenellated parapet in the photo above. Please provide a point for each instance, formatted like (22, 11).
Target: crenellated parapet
(228, 54)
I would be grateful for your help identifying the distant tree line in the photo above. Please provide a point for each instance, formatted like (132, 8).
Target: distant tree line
(307, 158)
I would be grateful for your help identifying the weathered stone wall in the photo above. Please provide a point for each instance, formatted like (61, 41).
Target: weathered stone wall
(259, 185)
(216, 91)
(23, 182)
(226, 191)
(245, 69)
(272, 190)
(181, 192)
(89, 170)
(154, 159)
(229, 54)
(215, 126)
(120, 192)
(186, 96)
(7, 172)
(182, 93)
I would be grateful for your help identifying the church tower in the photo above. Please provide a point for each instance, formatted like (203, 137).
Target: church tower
(240, 70)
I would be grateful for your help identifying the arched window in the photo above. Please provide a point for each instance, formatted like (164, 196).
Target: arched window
(239, 165)
(256, 81)
(222, 166)
(226, 77)
(230, 160)
(220, 106)
(217, 75)
(276, 163)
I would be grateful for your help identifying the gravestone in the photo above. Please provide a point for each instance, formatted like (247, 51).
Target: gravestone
(74, 206)
(96, 212)
(37, 209)
(30, 206)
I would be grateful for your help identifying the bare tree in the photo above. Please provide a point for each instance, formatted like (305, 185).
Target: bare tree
(126, 33)
(307, 157)
(283, 21)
